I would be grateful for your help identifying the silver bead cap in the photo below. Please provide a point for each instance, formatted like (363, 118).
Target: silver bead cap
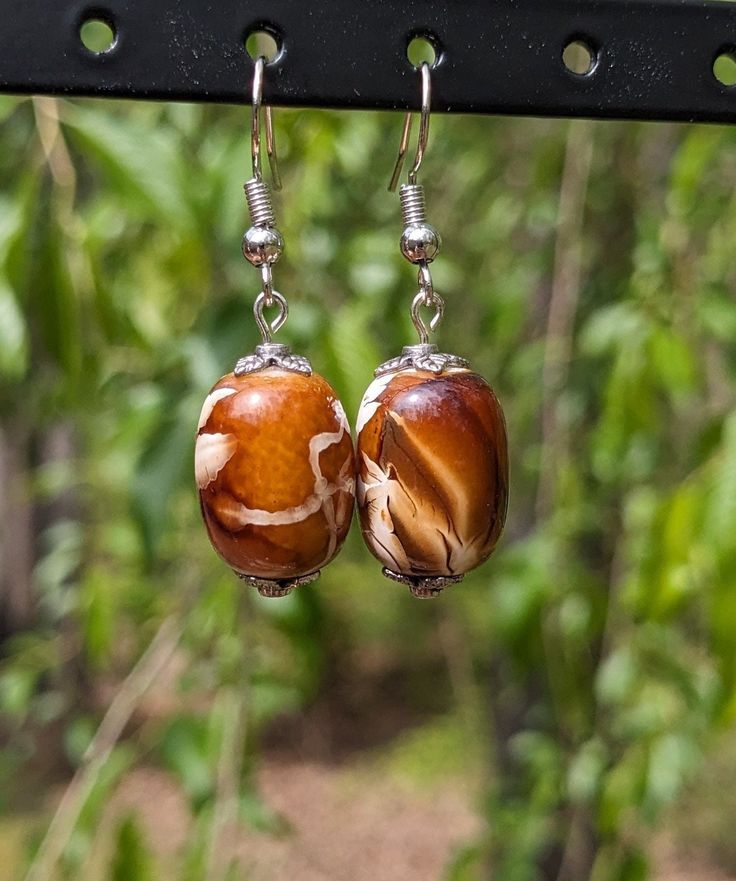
(267, 587)
(424, 588)
(273, 355)
(423, 356)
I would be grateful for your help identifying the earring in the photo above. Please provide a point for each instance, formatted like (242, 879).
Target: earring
(432, 448)
(274, 459)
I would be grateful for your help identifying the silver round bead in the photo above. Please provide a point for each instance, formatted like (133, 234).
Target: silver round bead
(420, 243)
(262, 244)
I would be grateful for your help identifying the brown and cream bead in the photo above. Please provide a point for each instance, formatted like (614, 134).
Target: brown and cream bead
(275, 469)
(432, 474)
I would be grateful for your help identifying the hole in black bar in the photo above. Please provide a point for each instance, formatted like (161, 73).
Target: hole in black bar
(97, 35)
(579, 56)
(724, 67)
(421, 49)
(262, 43)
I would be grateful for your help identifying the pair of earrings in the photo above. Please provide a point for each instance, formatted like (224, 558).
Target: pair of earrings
(275, 463)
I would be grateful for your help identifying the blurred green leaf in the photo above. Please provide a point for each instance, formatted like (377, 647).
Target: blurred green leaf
(98, 617)
(187, 750)
(140, 162)
(167, 457)
(77, 738)
(131, 860)
(13, 335)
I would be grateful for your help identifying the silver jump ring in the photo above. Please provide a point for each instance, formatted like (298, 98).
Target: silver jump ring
(439, 306)
(266, 327)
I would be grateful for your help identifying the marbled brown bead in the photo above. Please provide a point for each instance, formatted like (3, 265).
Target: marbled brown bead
(275, 469)
(432, 471)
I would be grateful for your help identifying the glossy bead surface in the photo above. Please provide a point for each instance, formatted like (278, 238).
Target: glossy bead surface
(432, 471)
(275, 468)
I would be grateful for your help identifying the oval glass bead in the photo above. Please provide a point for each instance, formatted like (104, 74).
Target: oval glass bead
(432, 474)
(275, 470)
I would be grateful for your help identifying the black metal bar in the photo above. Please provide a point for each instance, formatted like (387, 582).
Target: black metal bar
(653, 58)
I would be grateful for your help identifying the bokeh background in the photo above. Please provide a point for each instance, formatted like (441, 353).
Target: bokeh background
(567, 713)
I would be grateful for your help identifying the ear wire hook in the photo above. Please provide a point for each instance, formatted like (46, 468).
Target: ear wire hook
(255, 137)
(423, 132)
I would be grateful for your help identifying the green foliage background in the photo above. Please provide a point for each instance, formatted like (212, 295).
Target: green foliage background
(589, 275)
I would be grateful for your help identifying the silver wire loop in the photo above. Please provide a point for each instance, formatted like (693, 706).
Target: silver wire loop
(426, 285)
(423, 132)
(267, 279)
(255, 134)
(439, 311)
(267, 328)
(259, 204)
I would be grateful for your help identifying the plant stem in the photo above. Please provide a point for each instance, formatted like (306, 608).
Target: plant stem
(118, 714)
(566, 282)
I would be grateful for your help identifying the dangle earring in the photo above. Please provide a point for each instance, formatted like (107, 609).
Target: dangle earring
(274, 459)
(432, 448)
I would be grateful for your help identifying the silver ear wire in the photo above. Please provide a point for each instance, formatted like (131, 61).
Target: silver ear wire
(255, 135)
(420, 242)
(423, 132)
(263, 244)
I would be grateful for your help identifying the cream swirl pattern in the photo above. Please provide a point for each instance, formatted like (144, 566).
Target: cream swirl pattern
(275, 469)
(432, 472)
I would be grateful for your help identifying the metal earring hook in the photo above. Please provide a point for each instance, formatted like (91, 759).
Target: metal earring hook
(255, 137)
(423, 132)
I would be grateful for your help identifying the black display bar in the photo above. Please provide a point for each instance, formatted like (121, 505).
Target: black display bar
(651, 59)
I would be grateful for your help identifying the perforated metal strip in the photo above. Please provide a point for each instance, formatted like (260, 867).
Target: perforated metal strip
(653, 58)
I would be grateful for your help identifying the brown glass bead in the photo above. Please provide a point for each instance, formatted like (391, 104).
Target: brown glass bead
(275, 468)
(432, 472)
